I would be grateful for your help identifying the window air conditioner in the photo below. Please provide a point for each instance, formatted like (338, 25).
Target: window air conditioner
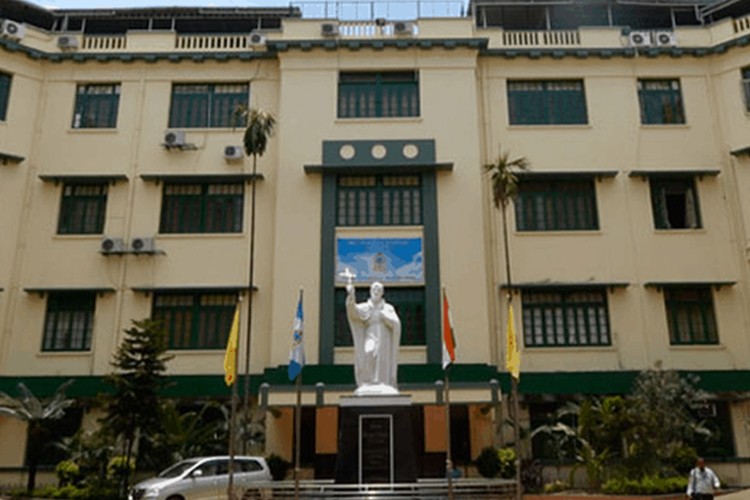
(665, 38)
(67, 42)
(233, 153)
(639, 39)
(142, 245)
(403, 28)
(12, 29)
(112, 245)
(329, 29)
(256, 39)
(174, 139)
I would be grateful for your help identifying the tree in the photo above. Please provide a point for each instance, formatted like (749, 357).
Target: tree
(504, 183)
(36, 413)
(134, 408)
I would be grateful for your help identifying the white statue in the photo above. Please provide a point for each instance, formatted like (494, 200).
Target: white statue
(376, 331)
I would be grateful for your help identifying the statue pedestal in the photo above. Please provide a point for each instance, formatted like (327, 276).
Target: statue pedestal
(376, 442)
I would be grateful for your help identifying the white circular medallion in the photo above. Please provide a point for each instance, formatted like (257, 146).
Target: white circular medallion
(378, 151)
(347, 152)
(410, 151)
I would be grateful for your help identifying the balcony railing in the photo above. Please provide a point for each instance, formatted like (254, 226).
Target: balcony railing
(541, 38)
(212, 42)
(742, 24)
(104, 42)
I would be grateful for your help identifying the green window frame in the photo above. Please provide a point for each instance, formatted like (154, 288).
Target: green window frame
(195, 320)
(556, 205)
(83, 208)
(207, 105)
(379, 200)
(690, 316)
(215, 207)
(565, 318)
(660, 101)
(5, 81)
(674, 203)
(547, 102)
(410, 306)
(96, 105)
(746, 87)
(69, 321)
(382, 94)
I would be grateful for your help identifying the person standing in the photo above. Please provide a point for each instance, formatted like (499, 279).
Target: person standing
(702, 482)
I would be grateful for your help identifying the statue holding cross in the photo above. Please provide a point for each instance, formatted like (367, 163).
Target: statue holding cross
(376, 334)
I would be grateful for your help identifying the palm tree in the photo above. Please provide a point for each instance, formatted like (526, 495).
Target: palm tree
(504, 183)
(36, 413)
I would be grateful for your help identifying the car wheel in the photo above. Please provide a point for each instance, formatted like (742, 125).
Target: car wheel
(176, 497)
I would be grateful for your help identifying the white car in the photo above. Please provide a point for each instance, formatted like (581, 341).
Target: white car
(203, 478)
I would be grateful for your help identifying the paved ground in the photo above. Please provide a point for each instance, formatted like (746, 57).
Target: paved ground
(737, 495)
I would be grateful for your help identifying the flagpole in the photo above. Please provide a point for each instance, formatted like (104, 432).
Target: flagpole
(516, 411)
(233, 413)
(297, 437)
(448, 457)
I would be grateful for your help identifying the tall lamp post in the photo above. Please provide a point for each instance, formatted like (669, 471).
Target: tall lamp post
(504, 184)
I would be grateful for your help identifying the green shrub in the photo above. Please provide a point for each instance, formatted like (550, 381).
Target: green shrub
(119, 467)
(68, 472)
(556, 486)
(488, 462)
(647, 485)
(507, 458)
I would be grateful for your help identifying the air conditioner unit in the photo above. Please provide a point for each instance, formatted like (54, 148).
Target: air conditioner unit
(112, 245)
(403, 28)
(665, 38)
(67, 42)
(639, 38)
(142, 245)
(12, 29)
(174, 139)
(329, 29)
(233, 152)
(257, 38)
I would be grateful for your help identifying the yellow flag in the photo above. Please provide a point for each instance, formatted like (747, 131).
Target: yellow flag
(512, 355)
(230, 358)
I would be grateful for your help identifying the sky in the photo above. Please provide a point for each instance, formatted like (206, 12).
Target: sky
(75, 4)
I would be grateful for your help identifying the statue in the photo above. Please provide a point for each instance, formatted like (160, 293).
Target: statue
(376, 332)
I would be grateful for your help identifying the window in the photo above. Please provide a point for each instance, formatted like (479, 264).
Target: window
(556, 206)
(82, 209)
(379, 200)
(5, 80)
(675, 203)
(745, 87)
(661, 102)
(69, 321)
(690, 316)
(409, 304)
(195, 320)
(207, 105)
(547, 102)
(565, 318)
(202, 208)
(378, 95)
(96, 106)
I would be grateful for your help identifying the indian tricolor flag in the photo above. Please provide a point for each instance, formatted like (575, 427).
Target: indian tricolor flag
(449, 339)
(230, 357)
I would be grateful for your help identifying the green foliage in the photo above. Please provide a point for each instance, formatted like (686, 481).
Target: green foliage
(120, 466)
(260, 126)
(504, 179)
(278, 466)
(556, 486)
(647, 485)
(507, 459)
(68, 472)
(488, 462)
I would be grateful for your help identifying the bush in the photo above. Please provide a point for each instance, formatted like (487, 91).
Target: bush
(68, 472)
(647, 485)
(488, 462)
(507, 458)
(556, 486)
(278, 466)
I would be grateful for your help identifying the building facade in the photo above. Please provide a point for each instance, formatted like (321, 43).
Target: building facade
(125, 194)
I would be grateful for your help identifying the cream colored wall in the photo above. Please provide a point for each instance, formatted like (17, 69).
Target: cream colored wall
(627, 248)
(132, 149)
(448, 114)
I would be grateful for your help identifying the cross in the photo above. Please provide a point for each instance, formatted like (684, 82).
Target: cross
(348, 275)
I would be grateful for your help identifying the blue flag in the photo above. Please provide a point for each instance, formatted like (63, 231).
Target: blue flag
(297, 353)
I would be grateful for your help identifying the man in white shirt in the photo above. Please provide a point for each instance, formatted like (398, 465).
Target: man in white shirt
(702, 482)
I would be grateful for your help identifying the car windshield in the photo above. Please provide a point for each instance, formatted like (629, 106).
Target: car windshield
(177, 469)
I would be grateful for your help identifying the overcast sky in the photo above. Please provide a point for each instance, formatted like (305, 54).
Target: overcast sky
(74, 4)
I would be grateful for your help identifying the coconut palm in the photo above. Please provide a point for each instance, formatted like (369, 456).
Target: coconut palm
(36, 413)
(504, 183)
